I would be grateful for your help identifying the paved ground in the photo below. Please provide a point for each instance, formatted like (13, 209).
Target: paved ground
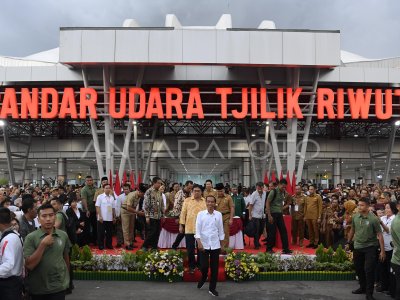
(282, 290)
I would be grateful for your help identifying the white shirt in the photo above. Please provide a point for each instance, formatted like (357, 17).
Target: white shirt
(118, 204)
(11, 256)
(210, 229)
(258, 203)
(387, 237)
(106, 204)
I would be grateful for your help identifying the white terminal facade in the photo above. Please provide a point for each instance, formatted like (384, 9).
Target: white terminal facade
(207, 57)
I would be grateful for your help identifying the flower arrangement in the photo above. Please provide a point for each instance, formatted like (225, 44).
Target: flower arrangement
(164, 263)
(240, 266)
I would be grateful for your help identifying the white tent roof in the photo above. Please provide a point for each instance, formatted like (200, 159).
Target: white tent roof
(44, 58)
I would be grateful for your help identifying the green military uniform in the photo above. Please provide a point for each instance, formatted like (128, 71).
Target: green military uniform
(240, 205)
(224, 205)
(51, 275)
(88, 192)
(395, 231)
(365, 230)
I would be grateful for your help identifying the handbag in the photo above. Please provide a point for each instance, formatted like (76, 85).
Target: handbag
(250, 229)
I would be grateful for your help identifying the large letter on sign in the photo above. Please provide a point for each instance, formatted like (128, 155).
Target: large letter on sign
(224, 92)
(359, 103)
(134, 94)
(194, 98)
(68, 104)
(53, 94)
(113, 103)
(29, 104)
(379, 105)
(9, 106)
(177, 102)
(88, 100)
(325, 101)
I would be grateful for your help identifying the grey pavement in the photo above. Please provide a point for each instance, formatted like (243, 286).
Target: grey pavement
(265, 290)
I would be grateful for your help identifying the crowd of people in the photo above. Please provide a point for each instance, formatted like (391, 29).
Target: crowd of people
(44, 222)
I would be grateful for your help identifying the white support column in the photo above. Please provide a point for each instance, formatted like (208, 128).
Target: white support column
(253, 164)
(61, 170)
(39, 176)
(337, 171)
(392, 138)
(153, 137)
(93, 172)
(308, 125)
(226, 178)
(108, 121)
(357, 174)
(93, 127)
(164, 173)
(368, 176)
(292, 129)
(271, 127)
(246, 172)
(305, 174)
(127, 140)
(153, 168)
(28, 176)
(240, 174)
(230, 177)
(236, 176)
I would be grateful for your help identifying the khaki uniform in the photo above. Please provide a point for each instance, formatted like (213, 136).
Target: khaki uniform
(326, 227)
(297, 212)
(212, 192)
(128, 218)
(224, 206)
(312, 212)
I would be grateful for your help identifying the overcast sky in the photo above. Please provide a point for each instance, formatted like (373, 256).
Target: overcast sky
(370, 28)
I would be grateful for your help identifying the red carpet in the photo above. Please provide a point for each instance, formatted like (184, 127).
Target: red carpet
(249, 248)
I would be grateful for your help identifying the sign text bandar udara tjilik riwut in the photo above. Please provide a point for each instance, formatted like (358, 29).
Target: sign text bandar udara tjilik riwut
(172, 103)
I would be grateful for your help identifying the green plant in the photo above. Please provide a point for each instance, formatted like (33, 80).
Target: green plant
(267, 262)
(86, 254)
(340, 255)
(75, 253)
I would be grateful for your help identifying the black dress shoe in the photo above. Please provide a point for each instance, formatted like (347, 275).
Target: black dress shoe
(101, 248)
(200, 284)
(358, 291)
(129, 247)
(369, 297)
(287, 251)
(213, 293)
(310, 246)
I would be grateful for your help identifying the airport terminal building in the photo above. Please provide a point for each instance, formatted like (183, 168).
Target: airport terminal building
(189, 102)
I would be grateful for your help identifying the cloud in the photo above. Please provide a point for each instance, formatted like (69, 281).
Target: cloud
(368, 27)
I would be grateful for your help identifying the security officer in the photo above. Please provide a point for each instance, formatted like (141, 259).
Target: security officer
(226, 207)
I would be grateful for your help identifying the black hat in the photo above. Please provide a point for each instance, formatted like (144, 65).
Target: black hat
(219, 186)
(104, 178)
(143, 187)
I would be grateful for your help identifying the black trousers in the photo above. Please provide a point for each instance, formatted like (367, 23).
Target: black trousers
(365, 261)
(56, 296)
(11, 288)
(271, 231)
(384, 268)
(92, 227)
(210, 259)
(152, 234)
(178, 240)
(396, 269)
(191, 245)
(260, 224)
(104, 229)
